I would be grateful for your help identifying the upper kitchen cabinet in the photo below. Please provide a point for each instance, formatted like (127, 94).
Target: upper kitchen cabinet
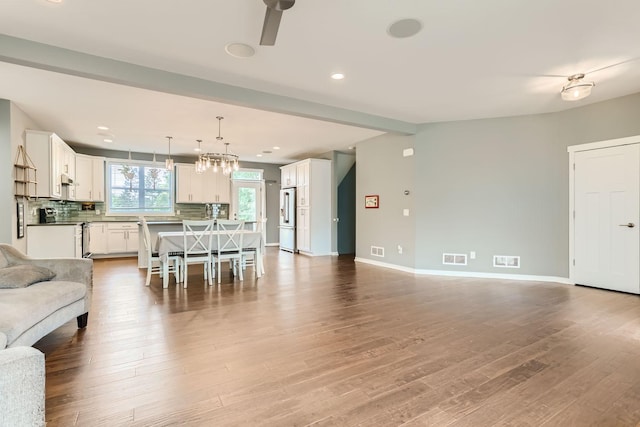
(223, 188)
(89, 178)
(190, 186)
(46, 150)
(207, 187)
(288, 176)
(68, 172)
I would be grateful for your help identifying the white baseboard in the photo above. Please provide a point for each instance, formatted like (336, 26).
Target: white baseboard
(272, 244)
(385, 265)
(421, 272)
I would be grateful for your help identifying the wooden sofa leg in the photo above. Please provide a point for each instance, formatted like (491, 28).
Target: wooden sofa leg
(82, 320)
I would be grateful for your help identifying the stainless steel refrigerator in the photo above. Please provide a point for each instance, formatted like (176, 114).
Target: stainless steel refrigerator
(288, 219)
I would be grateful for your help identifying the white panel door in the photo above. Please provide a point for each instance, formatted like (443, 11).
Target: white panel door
(606, 238)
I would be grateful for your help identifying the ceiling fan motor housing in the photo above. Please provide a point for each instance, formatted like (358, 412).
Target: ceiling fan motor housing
(279, 4)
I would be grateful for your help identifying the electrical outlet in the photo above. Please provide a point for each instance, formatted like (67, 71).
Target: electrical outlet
(472, 255)
(97, 211)
(400, 249)
(178, 212)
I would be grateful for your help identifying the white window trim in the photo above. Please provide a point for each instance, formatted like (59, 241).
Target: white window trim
(107, 180)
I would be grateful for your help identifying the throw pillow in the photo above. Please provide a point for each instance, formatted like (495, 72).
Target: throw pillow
(21, 276)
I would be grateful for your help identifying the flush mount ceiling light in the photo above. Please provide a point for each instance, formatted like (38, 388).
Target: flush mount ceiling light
(576, 89)
(337, 76)
(225, 162)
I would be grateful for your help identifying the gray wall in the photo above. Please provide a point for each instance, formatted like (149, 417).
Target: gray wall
(493, 186)
(6, 173)
(13, 122)
(382, 170)
(496, 187)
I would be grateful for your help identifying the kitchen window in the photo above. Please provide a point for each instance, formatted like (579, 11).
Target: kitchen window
(138, 188)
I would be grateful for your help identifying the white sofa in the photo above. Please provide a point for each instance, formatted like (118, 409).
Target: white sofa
(28, 312)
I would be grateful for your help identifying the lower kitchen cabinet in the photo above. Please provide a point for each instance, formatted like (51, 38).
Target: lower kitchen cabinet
(122, 237)
(113, 238)
(97, 238)
(54, 241)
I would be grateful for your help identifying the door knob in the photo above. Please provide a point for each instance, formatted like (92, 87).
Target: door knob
(630, 225)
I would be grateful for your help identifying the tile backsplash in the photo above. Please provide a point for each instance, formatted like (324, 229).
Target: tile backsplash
(72, 211)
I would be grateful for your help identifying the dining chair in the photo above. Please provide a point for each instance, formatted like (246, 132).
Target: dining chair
(230, 236)
(249, 254)
(154, 263)
(198, 239)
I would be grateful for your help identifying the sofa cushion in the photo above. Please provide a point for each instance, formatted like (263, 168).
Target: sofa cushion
(21, 309)
(21, 276)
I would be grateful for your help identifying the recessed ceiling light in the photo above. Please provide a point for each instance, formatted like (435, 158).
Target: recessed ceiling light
(337, 76)
(404, 28)
(54, 1)
(240, 50)
(103, 128)
(258, 155)
(351, 147)
(108, 140)
(276, 148)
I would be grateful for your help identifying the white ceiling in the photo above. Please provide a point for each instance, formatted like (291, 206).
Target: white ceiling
(473, 59)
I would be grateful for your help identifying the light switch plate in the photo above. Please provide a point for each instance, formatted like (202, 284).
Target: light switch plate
(405, 212)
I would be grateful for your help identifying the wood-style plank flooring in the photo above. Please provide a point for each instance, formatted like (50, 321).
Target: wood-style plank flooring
(328, 342)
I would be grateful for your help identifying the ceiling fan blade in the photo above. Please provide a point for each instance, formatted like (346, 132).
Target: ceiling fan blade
(270, 27)
(612, 65)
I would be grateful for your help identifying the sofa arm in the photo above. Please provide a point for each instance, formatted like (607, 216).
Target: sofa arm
(22, 387)
(69, 269)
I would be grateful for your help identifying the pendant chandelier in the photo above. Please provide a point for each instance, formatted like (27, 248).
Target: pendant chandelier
(223, 162)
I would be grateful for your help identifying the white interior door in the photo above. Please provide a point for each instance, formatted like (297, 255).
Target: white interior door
(606, 202)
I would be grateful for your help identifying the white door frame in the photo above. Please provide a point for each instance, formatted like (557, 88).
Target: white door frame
(235, 183)
(572, 149)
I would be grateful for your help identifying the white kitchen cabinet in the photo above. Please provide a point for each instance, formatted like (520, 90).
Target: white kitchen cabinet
(288, 176)
(122, 237)
(303, 232)
(313, 205)
(68, 172)
(98, 238)
(89, 178)
(190, 186)
(54, 241)
(207, 187)
(302, 180)
(222, 186)
(46, 151)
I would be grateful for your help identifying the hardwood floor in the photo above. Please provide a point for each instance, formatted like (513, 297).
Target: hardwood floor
(325, 341)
